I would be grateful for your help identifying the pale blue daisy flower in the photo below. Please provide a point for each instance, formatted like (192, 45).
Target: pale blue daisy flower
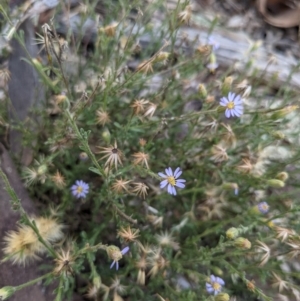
(263, 207)
(171, 179)
(215, 285)
(233, 104)
(117, 255)
(212, 42)
(80, 189)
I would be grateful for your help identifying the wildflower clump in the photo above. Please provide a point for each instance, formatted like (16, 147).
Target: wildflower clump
(138, 89)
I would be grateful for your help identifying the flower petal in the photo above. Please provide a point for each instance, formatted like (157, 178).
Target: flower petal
(162, 175)
(224, 101)
(180, 185)
(112, 264)
(220, 281)
(125, 250)
(168, 172)
(170, 191)
(163, 183)
(231, 96)
(212, 278)
(177, 172)
(227, 113)
(174, 190)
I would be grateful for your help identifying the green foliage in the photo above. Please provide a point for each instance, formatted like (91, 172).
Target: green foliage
(131, 124)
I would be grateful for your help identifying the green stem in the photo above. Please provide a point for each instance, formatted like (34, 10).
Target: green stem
(60, 289)
(31, 282)
(84, 143)
(16, 204)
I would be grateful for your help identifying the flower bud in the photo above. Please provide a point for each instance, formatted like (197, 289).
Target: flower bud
(83, 156)
(275, 183)
(60, 98)
(230, 186)
(97, 281)
(202, 91)
(250, 286)
(204, 50)
(222, 297)
(114, 253)
(161, 57)
(217, 271)
(109, 30)
(106, 135)
(227, 84)
(232, 233)
(210, 99)
(284, 112)
(6, 292)
(213, 65)
(282, 176)
(278, 135)
(242, 243)
(42, 169)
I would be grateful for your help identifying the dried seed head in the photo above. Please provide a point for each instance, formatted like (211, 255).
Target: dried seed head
(59, 180)
(5, 75)
(128, 234)
(110, 30)
(140, 189)
(139, 106)
(185, 16)
(156, 221)
(102, 117)
(145, 67)
(284, 233)
(120, 186)
(141, 158)
(246, 167)
(64, 263)
(114, 155)
(142, 142)
(219, 153)
(23, 245)
(150, 110)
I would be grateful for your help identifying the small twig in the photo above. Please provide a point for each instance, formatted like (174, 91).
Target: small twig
(124, 215)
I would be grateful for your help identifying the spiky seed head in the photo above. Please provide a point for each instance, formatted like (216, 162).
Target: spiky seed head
(102, 117)
(129, 234)
(58, 180)
(120, 186)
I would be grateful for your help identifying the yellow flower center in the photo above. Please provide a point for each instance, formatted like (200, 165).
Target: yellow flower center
(171, 180)
(116, 255)
(230, 105)
(79, 189)
(216, 286)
